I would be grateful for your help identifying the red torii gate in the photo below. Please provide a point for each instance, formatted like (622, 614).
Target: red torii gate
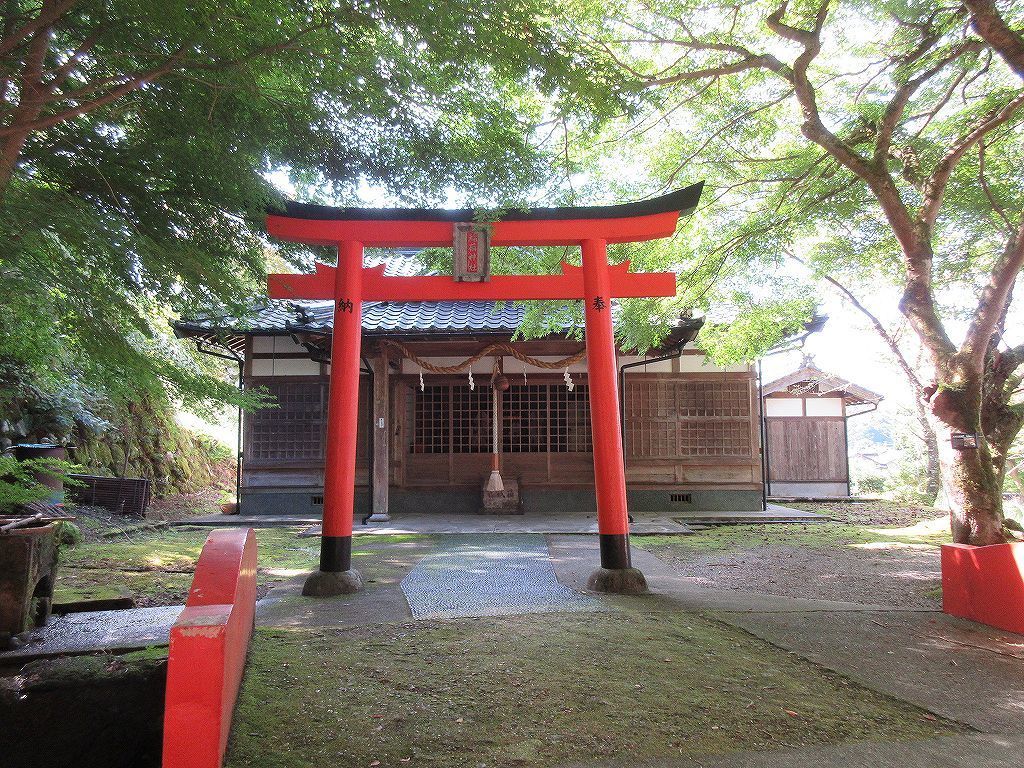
(596, 283)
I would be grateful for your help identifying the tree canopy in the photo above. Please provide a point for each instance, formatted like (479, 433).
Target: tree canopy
(878, 140)
(138, 140)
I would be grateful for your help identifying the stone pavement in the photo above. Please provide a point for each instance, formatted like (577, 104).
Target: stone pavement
(97, 631)
(490, 576)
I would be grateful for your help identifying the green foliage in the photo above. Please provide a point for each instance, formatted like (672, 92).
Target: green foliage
(69, 534)
(887, 458)
(18, 483)
(723, 109)
(756, 327)
(150, 203)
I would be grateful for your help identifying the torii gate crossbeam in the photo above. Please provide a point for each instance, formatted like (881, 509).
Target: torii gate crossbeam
(596, 283)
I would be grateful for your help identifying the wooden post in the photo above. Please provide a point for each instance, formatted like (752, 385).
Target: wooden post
(381, 445)
(336, 575)
(616, 573)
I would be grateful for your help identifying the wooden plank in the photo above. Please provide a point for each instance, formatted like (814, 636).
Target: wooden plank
(381, 434)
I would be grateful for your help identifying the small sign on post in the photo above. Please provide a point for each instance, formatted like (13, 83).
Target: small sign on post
(963, 441)
(472, 258)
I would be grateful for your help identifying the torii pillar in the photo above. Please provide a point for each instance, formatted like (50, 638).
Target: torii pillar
(596, 283)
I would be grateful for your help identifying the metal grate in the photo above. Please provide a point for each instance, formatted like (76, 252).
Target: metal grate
(121, 495)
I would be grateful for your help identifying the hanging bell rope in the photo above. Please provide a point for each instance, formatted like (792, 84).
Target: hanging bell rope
(492, 349)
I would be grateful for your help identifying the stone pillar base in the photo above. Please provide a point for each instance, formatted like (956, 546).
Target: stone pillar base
(331, 583)
(620, 581)
(379, 517)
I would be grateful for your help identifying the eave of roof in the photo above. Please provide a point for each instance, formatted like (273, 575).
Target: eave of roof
(825, 383)
(682, 201)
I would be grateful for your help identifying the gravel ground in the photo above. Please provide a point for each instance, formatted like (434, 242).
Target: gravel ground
(904, 578)
(821, 563)
(881, 512)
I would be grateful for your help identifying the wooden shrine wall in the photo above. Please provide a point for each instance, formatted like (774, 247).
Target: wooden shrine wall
(807, 449)
(689, 429)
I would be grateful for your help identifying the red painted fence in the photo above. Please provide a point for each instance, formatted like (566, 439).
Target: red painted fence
(209, 642)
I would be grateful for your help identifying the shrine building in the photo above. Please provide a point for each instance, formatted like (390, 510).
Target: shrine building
(426, 429)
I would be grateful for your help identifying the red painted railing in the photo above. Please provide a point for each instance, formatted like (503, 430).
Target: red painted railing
(209, 642)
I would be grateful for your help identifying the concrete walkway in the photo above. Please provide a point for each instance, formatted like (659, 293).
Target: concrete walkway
(94, 631)
(957, 669)
(567, 521)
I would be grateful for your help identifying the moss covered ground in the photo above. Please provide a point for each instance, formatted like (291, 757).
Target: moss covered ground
(723, 538)
(154, 566)
(541, 690)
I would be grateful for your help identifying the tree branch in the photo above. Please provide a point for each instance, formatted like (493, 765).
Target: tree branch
(898, 104)
(133, 83)
(994, 299)
(880, 329)
(993, 29)
(1000, 211)
(935, 186)
(49, 12)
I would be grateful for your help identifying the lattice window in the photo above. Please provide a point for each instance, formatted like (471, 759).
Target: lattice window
(431, 420)
(292, 430)
(536, 418)
(569, 419)
(451, 419)
(683, 419)
(715, 399)
(296, 428)
(525, 424)
(472, 419)
(714, 438)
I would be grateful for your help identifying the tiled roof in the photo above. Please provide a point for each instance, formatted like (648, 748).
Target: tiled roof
(422, 317)
(278, 316)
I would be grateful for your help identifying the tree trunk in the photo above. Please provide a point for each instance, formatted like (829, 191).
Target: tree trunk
(970, 477)
(975, 498)
(933, 465)
(10, 153)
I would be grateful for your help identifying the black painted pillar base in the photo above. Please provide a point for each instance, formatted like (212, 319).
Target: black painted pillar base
(616, 573)
(336, 575)
(615, 551)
